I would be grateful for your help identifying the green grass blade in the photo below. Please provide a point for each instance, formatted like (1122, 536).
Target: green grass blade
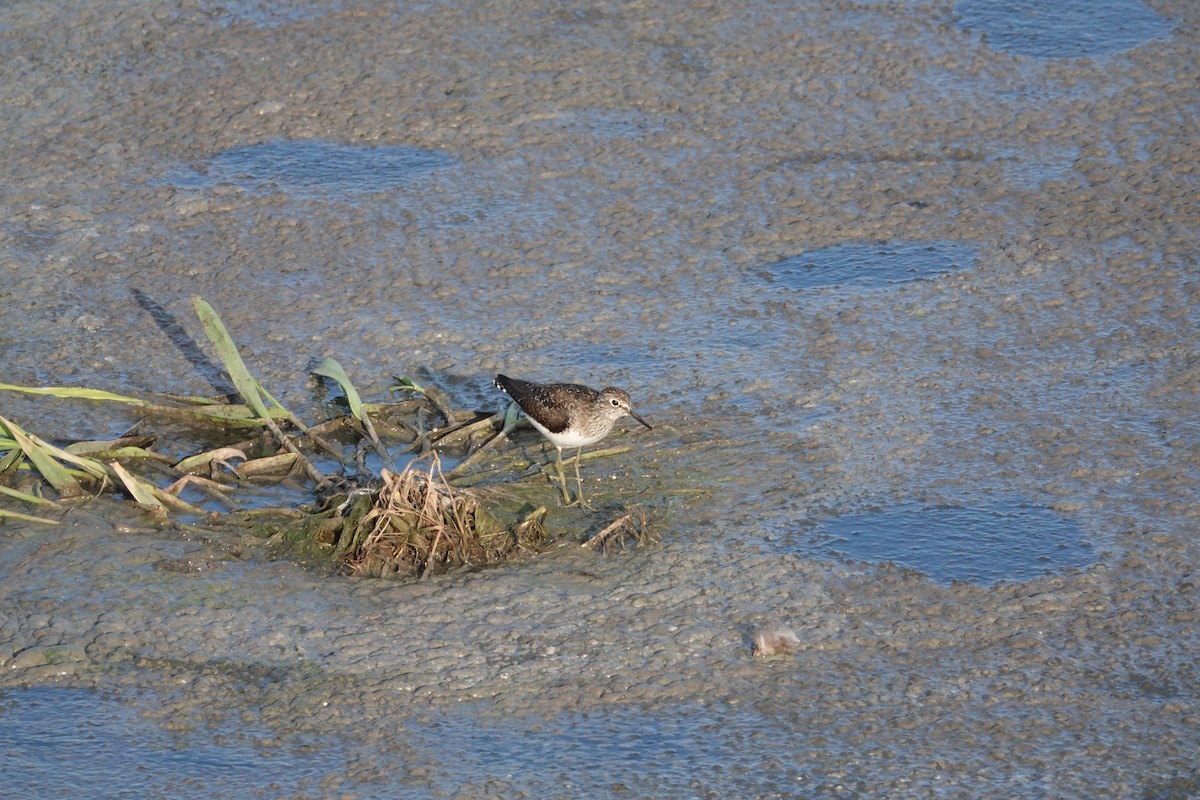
(236, 415)
(168, 500)
(277, 411)
(199, 407)
(142, 492)
(96, 448)
(53, 472)
(14, 457)
(330, 368)
(191, 400)
(129, 454)
(270, 465)
(227, 352)
(88, 465)
(203, 460)
(72, 393)
(26, 517)
(25, 496)
(406, 385)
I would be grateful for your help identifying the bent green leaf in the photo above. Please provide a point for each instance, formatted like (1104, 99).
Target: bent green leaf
(330, 368)
(142, 492)
(55, 473)
(227, 351)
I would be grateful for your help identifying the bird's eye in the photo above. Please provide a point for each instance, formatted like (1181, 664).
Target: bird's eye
(615, 402)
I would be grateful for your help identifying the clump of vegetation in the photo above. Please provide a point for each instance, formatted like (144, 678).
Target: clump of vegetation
(405, 523)
(74, 472)
(418, 523)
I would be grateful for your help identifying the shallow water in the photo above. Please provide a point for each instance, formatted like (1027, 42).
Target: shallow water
(862, 265)
(1066, 29)
(59, 742)
(614, 184)
(998, 542)
(312, 169)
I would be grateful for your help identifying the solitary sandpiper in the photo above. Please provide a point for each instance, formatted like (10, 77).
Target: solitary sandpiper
(569, 415)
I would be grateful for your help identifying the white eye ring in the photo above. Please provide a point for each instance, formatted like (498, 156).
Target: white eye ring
(615, 402)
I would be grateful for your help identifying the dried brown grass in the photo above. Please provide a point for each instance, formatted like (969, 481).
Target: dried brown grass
(419, 524)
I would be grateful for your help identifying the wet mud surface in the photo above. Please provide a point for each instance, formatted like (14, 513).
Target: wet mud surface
(599, 194)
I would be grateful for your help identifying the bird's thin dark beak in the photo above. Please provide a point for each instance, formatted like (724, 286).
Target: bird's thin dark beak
(639, 419)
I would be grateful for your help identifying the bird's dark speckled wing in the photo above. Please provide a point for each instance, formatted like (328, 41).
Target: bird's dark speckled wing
(548, 403)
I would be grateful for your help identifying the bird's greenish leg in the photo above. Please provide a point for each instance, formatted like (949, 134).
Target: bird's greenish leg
(579, 481)
(562, 478)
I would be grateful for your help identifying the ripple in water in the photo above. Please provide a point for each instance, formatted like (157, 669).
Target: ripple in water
(871, 264)
(1063, 28)
(984, 545)
(310, 168)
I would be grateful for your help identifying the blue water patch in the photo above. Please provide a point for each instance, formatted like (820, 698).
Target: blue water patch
(692, 751)
(984, 545)
(872, 264)
(1063, 28)
(313, 167)
(62, 742)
